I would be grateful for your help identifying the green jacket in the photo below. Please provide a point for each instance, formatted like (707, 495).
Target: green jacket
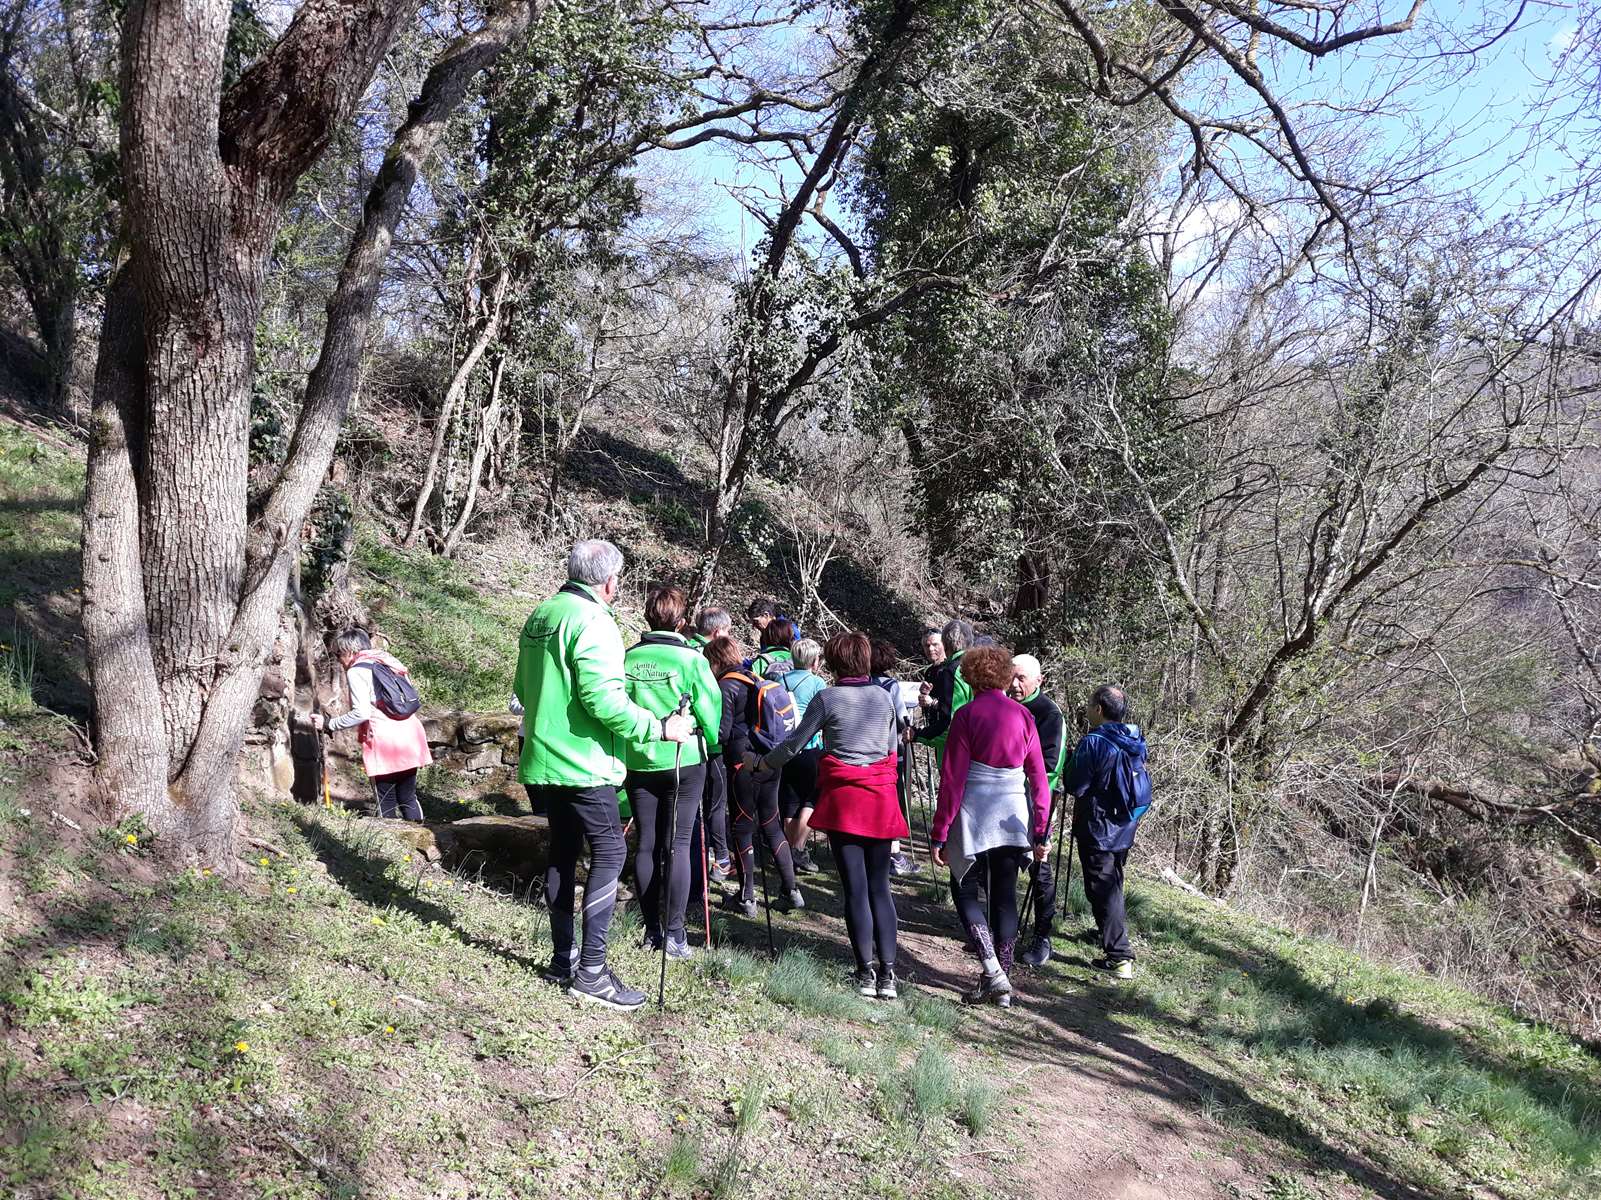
(774, 656)
(950, 692)
(578, 716)
(660, 669)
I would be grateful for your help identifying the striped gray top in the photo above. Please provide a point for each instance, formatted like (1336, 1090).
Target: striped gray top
(858, 723)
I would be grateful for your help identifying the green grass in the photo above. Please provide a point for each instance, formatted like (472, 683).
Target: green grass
(41, 493)
(801, 982)
(1315, 1046)
(457, 637)
(338, 1024)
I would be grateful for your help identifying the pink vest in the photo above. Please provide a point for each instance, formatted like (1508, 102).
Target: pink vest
(389, 746)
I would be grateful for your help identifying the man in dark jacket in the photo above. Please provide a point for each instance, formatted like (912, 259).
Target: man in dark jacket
(1105, 816)
(1028, 678)
(946, 690)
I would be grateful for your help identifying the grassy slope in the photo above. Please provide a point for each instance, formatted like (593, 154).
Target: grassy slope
(349, 1022)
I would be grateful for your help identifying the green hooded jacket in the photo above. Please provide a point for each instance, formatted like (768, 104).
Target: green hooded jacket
(772, 662)
(578, 715)
(659, 670)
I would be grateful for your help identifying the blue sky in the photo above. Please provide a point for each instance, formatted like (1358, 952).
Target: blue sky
(1472, 108)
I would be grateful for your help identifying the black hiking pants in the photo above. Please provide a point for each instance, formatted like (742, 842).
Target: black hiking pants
(663, 851)
(863, 865)
(1103, 887)
(753, 804)
(717, 809)
(579, 815)
(397, 795)
(1044, 897)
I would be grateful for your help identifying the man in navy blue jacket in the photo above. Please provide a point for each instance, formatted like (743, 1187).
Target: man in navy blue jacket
(1107, 807)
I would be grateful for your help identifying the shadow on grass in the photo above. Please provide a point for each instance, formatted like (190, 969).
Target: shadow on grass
(365, 876)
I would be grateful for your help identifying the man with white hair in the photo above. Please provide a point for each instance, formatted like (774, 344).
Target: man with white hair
(578, 718)
(1027, 677)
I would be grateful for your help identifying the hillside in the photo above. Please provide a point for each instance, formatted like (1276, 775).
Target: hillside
(350, 1019)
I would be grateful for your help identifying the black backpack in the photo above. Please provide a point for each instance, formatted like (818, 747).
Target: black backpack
(392, 692)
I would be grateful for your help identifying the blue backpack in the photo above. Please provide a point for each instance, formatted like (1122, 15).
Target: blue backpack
(1130, 784)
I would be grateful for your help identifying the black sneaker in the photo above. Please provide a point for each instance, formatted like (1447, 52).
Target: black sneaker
(990, 989)
(790, 901)
(886, 983)
(1118, 968)
(866, 981)
(803, 860)
(603, 987)
(560, 973)
(1037, 953)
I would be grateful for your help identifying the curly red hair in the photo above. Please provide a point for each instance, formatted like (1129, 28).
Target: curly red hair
(987, 668)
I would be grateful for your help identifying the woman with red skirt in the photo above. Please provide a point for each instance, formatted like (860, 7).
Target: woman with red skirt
(857, 804)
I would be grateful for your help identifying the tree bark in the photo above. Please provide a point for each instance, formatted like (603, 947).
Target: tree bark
(183, 590)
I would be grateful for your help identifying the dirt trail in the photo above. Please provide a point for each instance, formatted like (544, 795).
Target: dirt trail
(1108, 1117)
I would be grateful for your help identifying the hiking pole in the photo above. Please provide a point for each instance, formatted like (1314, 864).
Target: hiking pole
(1034, 866)
(1062, 882)
(664, 876)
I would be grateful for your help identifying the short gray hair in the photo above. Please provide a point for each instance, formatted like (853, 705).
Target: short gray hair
(957, 636)
(594, 562)
(710, 622)
(350, 643)
(806, 652)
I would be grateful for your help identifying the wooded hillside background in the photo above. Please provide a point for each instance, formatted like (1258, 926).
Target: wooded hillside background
(1138, 334)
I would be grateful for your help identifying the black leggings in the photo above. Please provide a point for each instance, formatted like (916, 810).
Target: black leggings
(397, 795)
(752, 803)
(863, 864)
(651, 792)
(578, 815)
(994, 871)
(797, 783)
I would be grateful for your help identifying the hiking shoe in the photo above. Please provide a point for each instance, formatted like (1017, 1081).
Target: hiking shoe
(886, 984)
(1119, 968)
(749, 907)
(678, 949)
(792, 900)
(866, 981)
(990, 989)
(803, 860)
(560, 972)
(902, 864)
(1037, 953)
(603, 987)
(740, 904)
(721, 872)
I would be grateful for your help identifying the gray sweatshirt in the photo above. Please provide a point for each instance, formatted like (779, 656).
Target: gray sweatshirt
(858, 723)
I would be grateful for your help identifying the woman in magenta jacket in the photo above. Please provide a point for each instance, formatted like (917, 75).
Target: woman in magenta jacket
(994, 804)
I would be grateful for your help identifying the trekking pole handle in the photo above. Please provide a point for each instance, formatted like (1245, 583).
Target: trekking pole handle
(684, 702)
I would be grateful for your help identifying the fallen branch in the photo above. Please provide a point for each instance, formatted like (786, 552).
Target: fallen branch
(1184, 885)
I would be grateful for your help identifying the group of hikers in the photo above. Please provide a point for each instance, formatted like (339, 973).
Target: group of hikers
(728, 759)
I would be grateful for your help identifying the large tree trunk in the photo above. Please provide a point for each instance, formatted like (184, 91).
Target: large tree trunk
(183, 589)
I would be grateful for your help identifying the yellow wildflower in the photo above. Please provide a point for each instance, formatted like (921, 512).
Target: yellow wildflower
(131, 838)
(291, 890)
(377, 920)
(389, 1029)
(241, 1047)
(265, 861)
